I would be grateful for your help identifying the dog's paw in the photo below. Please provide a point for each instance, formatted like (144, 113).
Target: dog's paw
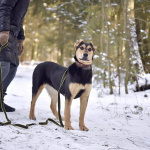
(69, 127)
(84, 128)
(32, 117)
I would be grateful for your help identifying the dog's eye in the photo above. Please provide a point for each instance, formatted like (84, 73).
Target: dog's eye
(82, 48)
(89, 49)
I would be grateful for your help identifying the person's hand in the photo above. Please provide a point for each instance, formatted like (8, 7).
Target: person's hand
(21, 47)
(4, 36)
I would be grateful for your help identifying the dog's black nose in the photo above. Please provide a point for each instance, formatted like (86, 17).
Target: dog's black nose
(85, 55)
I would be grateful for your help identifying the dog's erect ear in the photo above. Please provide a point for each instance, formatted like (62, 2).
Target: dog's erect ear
(93, 46)
(77, 43)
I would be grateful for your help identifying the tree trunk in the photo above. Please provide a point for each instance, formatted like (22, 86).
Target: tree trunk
(60, 43)
(102, 39)
(125, 43)
(33, 50)
(133, 36)
(108, 52)
(118, 65)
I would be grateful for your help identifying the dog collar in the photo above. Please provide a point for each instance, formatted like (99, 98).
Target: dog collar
(82, 65)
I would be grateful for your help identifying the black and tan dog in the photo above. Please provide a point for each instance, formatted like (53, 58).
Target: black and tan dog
(78, 83)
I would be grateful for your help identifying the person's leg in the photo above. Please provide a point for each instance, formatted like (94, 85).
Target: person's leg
(8, 79)
(5, 66)
(8, 74)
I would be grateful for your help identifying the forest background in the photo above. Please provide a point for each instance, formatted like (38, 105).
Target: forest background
(120, 30)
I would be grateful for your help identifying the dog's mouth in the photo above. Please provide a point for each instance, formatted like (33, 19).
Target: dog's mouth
(84, 58)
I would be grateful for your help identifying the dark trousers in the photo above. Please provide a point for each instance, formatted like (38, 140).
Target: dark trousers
(8, 73)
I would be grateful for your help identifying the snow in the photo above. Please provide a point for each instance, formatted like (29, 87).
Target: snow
(114, 122)
(147, 77)
(108, 23)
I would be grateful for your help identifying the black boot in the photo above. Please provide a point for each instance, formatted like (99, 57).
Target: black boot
(7, 108)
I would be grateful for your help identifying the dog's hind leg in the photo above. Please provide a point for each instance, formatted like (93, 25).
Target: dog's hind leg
(34, 98)
(54, 99)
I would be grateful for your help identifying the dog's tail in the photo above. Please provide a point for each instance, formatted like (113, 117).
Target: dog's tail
(37, 81)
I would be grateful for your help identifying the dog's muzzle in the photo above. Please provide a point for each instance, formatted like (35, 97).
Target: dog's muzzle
(85, 57)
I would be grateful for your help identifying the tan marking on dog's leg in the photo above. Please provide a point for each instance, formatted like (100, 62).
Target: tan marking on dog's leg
(53, 107)
(34, 98)
(74, 89)
(68, 115)
(54, 99)
(83, 104)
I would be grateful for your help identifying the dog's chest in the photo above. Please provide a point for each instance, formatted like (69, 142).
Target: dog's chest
(78, 89)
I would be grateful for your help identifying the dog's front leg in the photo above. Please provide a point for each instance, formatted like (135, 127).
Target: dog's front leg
(83, 104)
(74, 89)
(68, 114)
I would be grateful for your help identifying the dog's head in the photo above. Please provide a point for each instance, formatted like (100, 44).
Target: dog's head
(84, 52)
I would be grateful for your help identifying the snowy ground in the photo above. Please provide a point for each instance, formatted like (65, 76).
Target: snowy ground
(114, 122)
